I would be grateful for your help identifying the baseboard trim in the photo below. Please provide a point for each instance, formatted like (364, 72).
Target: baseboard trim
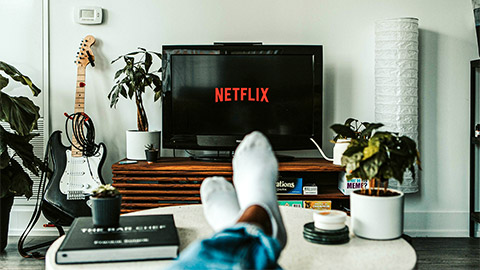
(437, 224)
(19, 218)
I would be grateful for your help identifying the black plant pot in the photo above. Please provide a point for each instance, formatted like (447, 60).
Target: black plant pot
(151, 155)
(5, 208)
(106, 211)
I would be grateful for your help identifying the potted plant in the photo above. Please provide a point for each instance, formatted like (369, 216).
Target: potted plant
(351, 129)
(377, 212)
(130, 83)
(22, 115)
(106, 202)
(151, 153)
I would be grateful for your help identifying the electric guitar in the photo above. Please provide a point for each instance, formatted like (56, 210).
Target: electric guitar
(75, 175)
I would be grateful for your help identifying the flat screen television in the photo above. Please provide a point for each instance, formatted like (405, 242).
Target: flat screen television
(216, 94)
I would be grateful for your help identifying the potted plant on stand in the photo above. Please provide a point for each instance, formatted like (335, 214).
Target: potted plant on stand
(22, 115)
(151, 153)
(131, 81)
(106, 203)
(377, 212)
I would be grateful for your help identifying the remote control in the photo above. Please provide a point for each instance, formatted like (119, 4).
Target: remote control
(128, 162)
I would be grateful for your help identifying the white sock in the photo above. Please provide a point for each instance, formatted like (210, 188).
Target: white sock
(255, 172)
(220, 204)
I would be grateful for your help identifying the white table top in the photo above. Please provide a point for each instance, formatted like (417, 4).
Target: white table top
(298, 253)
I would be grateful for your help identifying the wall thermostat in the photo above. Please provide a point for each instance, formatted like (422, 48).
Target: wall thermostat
(88, 15)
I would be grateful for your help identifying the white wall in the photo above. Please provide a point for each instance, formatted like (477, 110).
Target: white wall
(345, 28)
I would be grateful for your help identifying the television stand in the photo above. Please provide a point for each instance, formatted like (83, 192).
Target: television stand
(176, 181)
(213, 158)
(228, 158)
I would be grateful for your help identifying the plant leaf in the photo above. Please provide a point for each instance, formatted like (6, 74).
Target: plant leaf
(3, 82)
(148, 61)
(15, 180)
(24, 150)
(343, 130)
(19, 77)
(20, 112)
(349, 121)
(158, 94)
(4, 160)
(118, 73)
(123, 91)
(369, 128)
(159, 55)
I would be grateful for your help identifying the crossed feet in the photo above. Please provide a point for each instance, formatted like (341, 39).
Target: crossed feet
(254, 199)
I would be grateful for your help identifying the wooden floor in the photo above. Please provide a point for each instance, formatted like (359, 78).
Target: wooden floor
(432, 253)
(447, 253)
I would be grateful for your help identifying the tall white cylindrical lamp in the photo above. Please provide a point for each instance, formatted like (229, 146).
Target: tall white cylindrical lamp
(396, 83)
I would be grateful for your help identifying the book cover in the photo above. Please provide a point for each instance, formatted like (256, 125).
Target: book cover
(289, 185)
(297, 204)
(318, 205)
(348, 186)
(136, 238)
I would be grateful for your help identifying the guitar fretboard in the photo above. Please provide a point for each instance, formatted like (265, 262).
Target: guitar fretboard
(79, 105)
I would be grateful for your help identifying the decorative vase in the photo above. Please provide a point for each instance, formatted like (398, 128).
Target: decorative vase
(151, 155)
(340, 146)
(106, 211)
(377, 218)
(5, 209)
(136, 141)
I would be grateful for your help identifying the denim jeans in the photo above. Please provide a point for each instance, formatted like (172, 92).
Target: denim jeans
(243, 246)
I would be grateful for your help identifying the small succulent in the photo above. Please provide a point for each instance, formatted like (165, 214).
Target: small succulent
(105, 191)
(150, 147)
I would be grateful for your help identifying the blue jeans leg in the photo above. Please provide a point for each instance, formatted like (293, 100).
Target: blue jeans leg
(243, 246)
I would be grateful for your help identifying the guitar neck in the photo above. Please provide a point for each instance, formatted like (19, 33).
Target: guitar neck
(80, 90)
(79, 106)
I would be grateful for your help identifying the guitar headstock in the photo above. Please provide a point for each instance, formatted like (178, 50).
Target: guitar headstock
(85, 54)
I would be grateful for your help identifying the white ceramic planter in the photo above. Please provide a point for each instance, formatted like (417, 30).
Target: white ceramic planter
(136, 141)
(340, 146)
(378, 218)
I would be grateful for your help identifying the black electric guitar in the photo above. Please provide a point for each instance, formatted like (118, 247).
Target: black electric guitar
(74, 176)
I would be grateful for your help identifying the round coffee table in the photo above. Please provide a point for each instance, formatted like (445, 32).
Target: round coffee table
(298, 253)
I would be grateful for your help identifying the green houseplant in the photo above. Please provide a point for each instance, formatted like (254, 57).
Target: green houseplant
(130, 82)
(377, 156)
(351, 129)
(106, 203)
(22, 115)
(151, 153)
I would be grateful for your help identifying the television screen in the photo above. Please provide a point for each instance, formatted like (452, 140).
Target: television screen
(214, 97)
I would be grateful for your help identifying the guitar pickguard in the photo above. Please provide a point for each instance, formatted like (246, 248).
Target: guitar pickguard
(81, 175)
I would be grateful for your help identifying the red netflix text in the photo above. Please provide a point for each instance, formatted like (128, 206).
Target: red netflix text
(241, 94)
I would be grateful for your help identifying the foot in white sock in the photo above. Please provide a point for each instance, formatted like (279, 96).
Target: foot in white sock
(220, 204)
(255, 171)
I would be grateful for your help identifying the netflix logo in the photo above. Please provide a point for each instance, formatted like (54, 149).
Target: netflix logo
(241, 94)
